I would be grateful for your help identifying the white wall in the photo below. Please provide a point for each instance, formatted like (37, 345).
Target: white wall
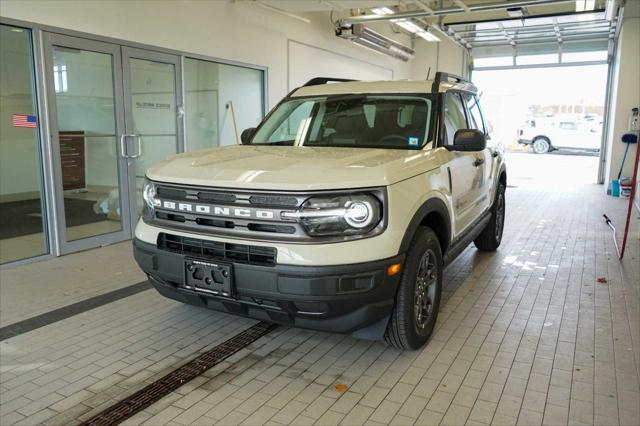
(329, 64)
(291, 50)
(626, 92)
(443, 56)
(235, 31)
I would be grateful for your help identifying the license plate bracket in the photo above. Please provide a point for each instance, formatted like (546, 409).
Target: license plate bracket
(209, 277)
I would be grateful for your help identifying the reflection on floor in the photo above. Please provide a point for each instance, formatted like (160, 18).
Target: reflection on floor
(88, 213)
(23, 247)
(32, 245)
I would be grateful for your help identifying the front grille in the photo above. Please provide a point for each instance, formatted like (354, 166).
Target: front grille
(274, 200)
(215, 250)
(243, 214)
(252, 215)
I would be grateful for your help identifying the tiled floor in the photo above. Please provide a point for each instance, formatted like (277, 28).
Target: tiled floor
(526, 335)
(39, 287)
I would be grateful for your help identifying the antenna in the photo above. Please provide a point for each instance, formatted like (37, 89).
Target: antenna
(428, 73)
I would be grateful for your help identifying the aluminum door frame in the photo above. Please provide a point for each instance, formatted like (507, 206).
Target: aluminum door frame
(64, 246)
(154, 56)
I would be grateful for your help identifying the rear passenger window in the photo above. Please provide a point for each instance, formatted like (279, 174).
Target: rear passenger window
(475, 116)
(454, 118)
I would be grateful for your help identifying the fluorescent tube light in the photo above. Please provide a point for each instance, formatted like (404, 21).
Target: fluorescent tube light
(382, 11)
(409, 26)
(412, 27)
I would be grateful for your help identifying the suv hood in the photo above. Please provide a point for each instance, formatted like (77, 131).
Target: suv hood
(293, 168)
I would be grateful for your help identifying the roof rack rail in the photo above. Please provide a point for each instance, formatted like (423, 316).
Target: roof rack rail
(445, 76)
(324, 80)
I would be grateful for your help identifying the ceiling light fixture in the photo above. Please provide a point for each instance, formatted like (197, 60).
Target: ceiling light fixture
(407, 24)
(382, 11)
(585, 5)
(416, 29)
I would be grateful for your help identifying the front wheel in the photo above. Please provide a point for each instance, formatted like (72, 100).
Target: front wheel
(491, 236)
(541, 146)
(418, 297)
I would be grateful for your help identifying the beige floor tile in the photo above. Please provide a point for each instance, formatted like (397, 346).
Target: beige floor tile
(525, 336)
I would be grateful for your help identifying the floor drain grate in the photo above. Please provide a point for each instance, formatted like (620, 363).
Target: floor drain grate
(146, 396)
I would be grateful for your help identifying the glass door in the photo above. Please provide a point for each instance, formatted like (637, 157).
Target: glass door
(153, 114)
(23, 231)
(86, 119)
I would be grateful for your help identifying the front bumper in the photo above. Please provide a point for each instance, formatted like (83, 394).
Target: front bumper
(342, 298)
(524, 141)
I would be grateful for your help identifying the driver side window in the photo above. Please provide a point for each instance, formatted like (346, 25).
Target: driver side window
(454, 117)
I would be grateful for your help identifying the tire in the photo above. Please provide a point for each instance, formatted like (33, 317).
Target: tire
(541, 145)
(491, 236)
(415, 313)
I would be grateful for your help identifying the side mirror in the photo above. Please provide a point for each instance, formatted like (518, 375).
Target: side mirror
(469, 140)
(246, 135)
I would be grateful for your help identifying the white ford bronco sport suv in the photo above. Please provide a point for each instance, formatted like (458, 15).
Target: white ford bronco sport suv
(337, 213)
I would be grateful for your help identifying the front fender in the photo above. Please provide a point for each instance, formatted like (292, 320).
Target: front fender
(432, 205)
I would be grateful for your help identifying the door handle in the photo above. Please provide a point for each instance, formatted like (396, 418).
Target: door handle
(123, 147)
(139, 153)
(478, 162)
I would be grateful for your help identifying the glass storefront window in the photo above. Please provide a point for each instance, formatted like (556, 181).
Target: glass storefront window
(550, 58)
(209, 89)
(22, 210)
(599, 55)
(500, 61)
(89, 111)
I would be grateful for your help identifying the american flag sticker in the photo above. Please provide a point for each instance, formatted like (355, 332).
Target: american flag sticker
(24, 120)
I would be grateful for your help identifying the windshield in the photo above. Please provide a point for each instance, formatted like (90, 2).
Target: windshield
(357, 121)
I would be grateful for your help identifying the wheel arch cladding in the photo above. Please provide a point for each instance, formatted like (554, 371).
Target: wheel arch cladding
(434, 214)
(502, 175)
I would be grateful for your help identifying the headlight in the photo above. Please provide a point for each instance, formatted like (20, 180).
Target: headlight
(338, 215)
(150, 200)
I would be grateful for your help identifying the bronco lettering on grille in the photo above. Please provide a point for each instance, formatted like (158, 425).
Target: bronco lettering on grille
(240, 212)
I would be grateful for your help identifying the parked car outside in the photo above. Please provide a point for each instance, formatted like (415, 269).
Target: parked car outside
(561, 133)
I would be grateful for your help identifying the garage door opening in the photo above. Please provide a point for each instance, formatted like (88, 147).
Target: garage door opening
(548, 119)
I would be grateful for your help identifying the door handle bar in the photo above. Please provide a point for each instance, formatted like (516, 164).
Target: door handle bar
(123, 148)
(139, 153)
(478, 162)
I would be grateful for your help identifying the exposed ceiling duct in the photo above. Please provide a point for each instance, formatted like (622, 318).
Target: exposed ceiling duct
(370, 39)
